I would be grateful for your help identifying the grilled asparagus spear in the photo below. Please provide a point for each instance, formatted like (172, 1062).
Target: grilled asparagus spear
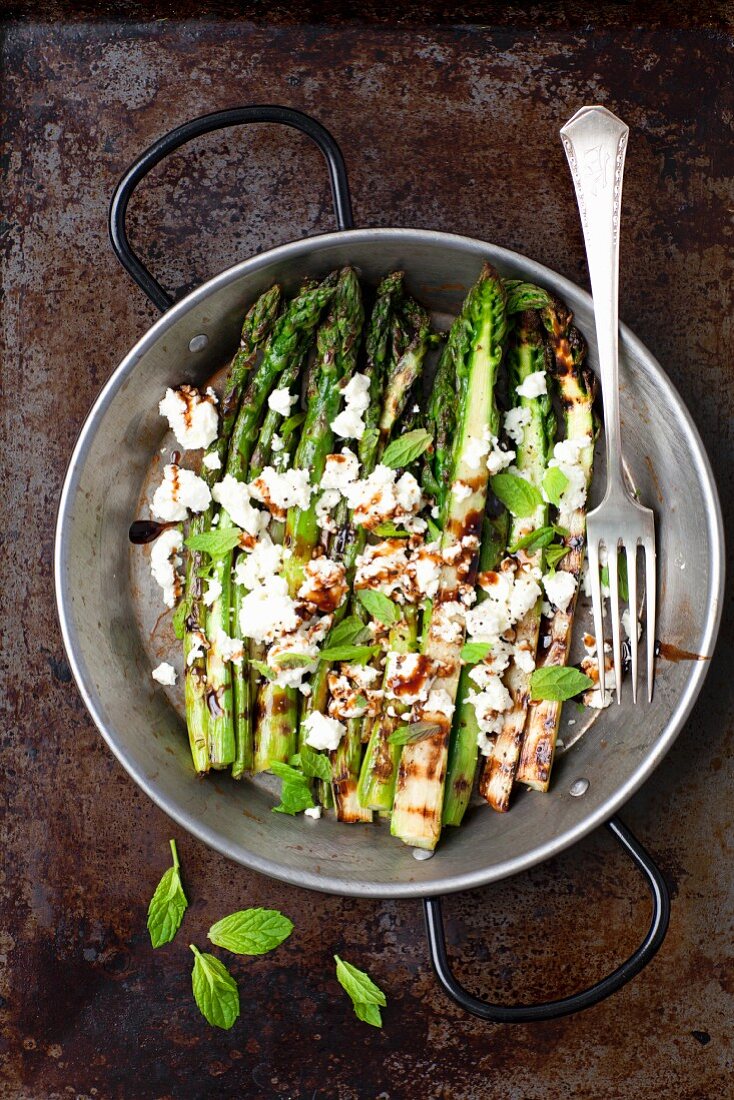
(526, 356)
(418, 804)
(256, 329)
(463, 746)
(337, 342)
(291, 333)
(576, 387)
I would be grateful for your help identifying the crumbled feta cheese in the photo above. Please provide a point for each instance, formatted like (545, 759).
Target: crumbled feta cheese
(234, 497)
(226, 648)
(349, 423)
(267, 611)
(280, 401)
(447, 621)
(312, 811)
(382, 566)
(439, 702)
(525, 594)
(379, 497)
(461, 491)
(493, 664)
(560, 588)
(524, 657)
(408, 677)
(356, 393)
(324, 583)
(213, 591)
(485, 743)
(191, 415)
(351, 692)
(198, 646)
(498, 459)
(281, 491)
(277, 444)
(515, 422)
(212, 461)
(164, 674)
(533, 386)
(474, 451)
(423, 572)
(164, 562)
(627, 624)
(323, 732)
(256, 567)
(340, 470)
(325, 506)
(567, 458)
(179, 491)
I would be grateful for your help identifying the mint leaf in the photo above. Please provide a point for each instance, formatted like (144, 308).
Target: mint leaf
(178, 622)
(292, 660)
(554, 554)
(622, 578)
(251, 931)
(215, 990)
(168, 904)
(295, 793)
(537, 539)
(314, 764)
(518, 495)
(215, 543)
(558, 684)
(474, 652)
(433, 530)
(379, 606)
(554, 483)
(349, 631)
(412, 732)
(362, 991)
(355, 654)
(403, 451)
(390, 531)
(264, 669)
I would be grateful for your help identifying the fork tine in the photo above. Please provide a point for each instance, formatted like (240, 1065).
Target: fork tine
(631, 550)
(593, 552)
(649, 548)
(613, 567)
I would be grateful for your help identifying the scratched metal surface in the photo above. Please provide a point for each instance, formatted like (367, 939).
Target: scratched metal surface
(450, 128)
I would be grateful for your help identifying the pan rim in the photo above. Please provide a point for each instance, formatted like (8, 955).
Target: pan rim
(333, 884)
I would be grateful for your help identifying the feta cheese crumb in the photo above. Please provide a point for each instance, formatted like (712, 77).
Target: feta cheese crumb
(212, 461)
(164, 562)
(515, 422)
(323, 732)
(439, 702)
(312, 811)
(277, 443)
(281, 491)
(349, 423)
(164, 674)
(226, 648)
(234, 497)
(280, 401)
(191, 415)
(268, 611)
(340, 470)
(179, 491)
(460, 491)
(560, 588)
(534, 385)
(627, 624)
(213, 591)
(256, 567)
(498, 459)
(475, 450)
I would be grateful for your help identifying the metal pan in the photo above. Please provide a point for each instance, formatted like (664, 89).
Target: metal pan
(111, 665)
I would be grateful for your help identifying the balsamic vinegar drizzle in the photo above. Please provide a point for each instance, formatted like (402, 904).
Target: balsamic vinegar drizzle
(145, 530)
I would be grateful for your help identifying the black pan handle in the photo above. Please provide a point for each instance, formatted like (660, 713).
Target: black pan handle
(551, 1010)
(236, 116)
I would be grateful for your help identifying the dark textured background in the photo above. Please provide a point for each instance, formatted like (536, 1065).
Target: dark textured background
(448, 127)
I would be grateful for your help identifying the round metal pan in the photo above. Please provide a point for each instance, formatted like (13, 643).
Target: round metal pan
(111, 664)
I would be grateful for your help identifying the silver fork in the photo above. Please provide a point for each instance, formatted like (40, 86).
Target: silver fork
(595, 141)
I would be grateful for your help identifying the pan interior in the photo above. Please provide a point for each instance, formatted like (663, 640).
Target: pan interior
(115, 632)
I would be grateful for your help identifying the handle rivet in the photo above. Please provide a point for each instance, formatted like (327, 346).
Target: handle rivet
(198, 343)
(421, 853)
(578, 787)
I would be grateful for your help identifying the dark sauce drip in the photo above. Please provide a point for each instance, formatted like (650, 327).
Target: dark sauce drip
(175, 457)
(145, 530)
(673, 653)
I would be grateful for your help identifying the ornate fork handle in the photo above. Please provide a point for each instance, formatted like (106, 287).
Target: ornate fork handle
(595, 141)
